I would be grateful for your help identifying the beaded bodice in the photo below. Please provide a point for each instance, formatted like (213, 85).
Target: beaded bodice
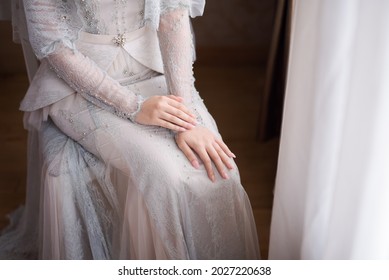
(111, 16)
(54, 30)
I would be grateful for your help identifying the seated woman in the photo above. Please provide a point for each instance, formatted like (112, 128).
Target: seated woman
(125, 160)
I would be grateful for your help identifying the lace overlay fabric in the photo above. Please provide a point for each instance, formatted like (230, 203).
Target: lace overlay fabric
(86, 78)
(154, 9)
(98, 16)
(100, 186)
(54, 26)
(183, 213)
(177, 50)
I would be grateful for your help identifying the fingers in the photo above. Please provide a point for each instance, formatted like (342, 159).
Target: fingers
(207, 163)
(213, 152)
(201, 152)
(218, 162)
(224, 147)
(167, 112)
(189, 154)
(223, 156)
(209, 155)
(179, 118)
(173, 122)
(177, 113)
(169, 125)
(174, 102)
(175, 97)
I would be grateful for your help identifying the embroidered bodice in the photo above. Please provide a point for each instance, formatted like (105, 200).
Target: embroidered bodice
(55, 25)
(111, 16)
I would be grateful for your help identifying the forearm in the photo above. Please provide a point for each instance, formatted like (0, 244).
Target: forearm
(89, 80)
(177, 50)
(53, 27)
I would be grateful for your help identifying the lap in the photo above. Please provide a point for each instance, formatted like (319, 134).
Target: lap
(131, 147)
(148, 153)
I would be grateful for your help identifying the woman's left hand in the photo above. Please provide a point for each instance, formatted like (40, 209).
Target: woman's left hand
(209, 148)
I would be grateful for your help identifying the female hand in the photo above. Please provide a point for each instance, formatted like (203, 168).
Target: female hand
(202, 141)
(166, 111)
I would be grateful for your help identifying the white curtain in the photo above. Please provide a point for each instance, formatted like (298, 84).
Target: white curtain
(332, 187)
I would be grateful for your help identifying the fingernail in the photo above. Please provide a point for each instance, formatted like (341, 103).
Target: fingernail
(195, 164)
(225, 176)
(234, 156)
(182, 129)
(213, 178)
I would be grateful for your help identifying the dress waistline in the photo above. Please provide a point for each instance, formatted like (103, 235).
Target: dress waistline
(119, 40)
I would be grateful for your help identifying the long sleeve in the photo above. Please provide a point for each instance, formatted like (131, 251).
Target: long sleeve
(53, 28)
(177, 50)
(84, 76)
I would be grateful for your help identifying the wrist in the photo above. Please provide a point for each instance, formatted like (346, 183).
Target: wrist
(139, 103)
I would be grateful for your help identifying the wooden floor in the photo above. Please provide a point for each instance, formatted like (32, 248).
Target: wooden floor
(231, 95)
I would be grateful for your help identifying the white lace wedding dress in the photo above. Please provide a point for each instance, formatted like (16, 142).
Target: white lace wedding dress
(101, 186)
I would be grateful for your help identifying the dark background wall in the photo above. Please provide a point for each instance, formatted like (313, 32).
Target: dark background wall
(230, 32)
(11, 56)
(235, 30)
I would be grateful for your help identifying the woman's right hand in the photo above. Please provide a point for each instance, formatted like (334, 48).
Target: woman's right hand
(166, 111)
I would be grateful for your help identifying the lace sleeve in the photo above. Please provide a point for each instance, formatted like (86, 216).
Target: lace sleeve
(154, 9)
(177, 50)
(53, 27)
(83, 75)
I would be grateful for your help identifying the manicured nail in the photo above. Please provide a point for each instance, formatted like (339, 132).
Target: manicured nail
(234, 156)
(195, 164)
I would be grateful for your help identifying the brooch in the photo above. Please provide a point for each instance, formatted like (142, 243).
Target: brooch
(119, 40)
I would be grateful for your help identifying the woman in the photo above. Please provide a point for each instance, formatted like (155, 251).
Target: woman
(131, 163)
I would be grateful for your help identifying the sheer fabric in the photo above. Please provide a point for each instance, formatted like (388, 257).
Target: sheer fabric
(106, 187)
(177, 51)
(331, 195)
